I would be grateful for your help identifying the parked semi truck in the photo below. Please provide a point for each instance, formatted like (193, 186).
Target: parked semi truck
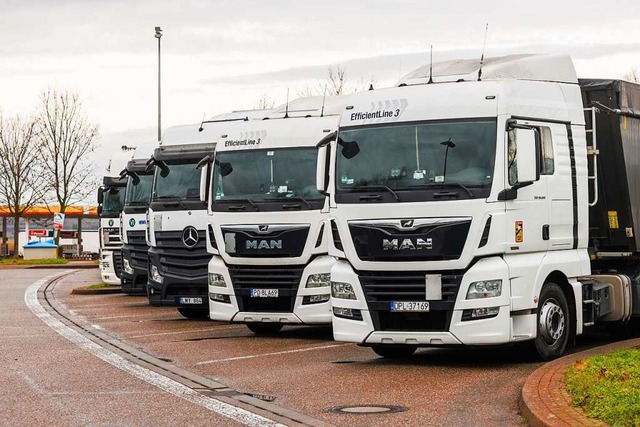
(134, 220)
(177, 219)
(110, 203)
(270, 265)
(480, 205)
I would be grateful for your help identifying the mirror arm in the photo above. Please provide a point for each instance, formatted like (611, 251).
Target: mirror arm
(327, 139)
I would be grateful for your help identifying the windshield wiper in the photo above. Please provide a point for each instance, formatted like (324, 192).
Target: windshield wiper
(302, 199)
(176, 199)
(447, 184)
(251, 202)
(377, 187)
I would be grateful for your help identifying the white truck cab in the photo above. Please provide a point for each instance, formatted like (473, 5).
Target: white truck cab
(267, 230)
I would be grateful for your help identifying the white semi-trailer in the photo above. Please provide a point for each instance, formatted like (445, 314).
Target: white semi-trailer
(177, 219)
(134, 220)
(477, 206)
(267, 228)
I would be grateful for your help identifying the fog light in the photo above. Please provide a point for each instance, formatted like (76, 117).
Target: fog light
(219, 297)
(319, 280)
(342, 290)
(480, 313)
(314, 299)
(155, 274)
(485, 289)
(126, 266)
(347, 313)
(217, 280)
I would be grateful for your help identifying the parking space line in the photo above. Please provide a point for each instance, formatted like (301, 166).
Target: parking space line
(253, 356)
(164, 383)
(182, 332)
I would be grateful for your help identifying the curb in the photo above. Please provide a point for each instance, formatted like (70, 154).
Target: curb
(544, 399)
(85, 290)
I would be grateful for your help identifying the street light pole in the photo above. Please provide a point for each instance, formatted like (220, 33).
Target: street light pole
(158, 36)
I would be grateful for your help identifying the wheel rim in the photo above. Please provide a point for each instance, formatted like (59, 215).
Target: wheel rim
(552, 321)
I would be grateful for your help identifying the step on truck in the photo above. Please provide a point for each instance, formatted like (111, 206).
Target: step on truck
(110, 203)
(267, 230)
(177, 218)
(139, 178)
(484, 205)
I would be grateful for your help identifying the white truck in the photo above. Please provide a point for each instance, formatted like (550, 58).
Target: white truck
(177, 218)
(134, 220)
(267, 228)
(482, 205)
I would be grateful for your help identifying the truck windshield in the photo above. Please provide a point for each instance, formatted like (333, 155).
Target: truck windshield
(113, 200)
(138, 190)
(458, 155)
(264, 175)
(176, 180)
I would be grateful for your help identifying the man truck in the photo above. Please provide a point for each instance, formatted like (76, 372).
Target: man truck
(481, 204)
(134, 220)
(177, 219)
(267, 230)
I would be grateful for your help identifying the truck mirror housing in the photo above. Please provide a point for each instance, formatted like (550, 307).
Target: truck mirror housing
(527, 155)
(100, 195)
(99, 209)
(204, 178)
(321, 170)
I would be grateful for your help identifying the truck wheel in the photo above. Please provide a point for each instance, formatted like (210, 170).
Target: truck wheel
(194, 313)
(264, 328)
(394, 351)
(554, 328)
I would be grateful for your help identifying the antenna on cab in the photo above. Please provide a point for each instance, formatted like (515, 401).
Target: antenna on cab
(286, 108)
(324, 97)
(486, 30)
(431, 66)
(200, 129)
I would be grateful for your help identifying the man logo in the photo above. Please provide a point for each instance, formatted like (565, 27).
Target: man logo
(263, 228)
(396, 245)
(190, 237)
(406, 223)
(264, 244)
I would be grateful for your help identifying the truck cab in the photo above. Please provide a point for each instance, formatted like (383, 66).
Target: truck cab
(134, 220)
(177, 218)
(110, 204)
(267, 221)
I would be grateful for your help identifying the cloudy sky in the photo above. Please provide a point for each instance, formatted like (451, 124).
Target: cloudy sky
(222, 55)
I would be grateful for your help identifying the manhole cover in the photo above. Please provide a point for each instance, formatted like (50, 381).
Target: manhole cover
(366, 409)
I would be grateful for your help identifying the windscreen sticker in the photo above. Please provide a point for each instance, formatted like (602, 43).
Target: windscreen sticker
(388, 110)
(519, 232)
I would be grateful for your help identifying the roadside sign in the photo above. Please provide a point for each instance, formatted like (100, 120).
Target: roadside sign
(68, 234)
(39, 233)
(58, 221)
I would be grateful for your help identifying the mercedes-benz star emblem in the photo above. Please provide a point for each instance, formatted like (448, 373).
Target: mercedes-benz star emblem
(190, 237)
(406, 222)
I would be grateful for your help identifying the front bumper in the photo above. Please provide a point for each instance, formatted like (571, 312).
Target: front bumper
(134, 283)
(110, 267)
(174, 287)
(300, 312)
(441, 326)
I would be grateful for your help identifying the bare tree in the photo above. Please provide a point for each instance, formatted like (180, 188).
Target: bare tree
(632, 76)
(67, 139)
(336, 83)
(336, 79)
(265, 102)
(21, 166)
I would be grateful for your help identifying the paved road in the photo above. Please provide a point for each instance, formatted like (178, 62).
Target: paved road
(302, 368)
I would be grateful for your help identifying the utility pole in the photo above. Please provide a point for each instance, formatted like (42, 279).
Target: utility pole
(158, 36)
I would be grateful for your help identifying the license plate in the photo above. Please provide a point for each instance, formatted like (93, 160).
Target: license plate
(264, 293)
(182, 300)
(409, 305)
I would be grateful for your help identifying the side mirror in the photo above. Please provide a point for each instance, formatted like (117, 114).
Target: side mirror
(100, 195)
(527, 155)
(164, 170)
(99, 210)
(135, 179)
(350, 149)
(204, 179)
(321, 170)
(225, 168)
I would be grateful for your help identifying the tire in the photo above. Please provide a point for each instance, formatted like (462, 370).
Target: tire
(394, 351)
(264, 328)
(554, 324)
(194, 313)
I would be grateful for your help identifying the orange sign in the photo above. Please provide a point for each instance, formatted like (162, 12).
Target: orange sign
(519, 232)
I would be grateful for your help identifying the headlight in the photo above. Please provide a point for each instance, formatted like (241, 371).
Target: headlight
(342, 290)
(319, 280)
(485, 289)
(155, 274)
(217, 280)
(126, 266)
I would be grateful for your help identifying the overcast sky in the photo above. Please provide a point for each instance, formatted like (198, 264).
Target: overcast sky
(220, 55)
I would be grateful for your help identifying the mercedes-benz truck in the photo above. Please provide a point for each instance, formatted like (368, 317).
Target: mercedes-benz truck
(267, 230)
(134, 220)
(177, 219)
(486, 204)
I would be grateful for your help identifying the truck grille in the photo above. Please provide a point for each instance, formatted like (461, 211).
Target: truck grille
(382, 287)
(138, 248)
(117, 263)
(179, 260)
(285, 279)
